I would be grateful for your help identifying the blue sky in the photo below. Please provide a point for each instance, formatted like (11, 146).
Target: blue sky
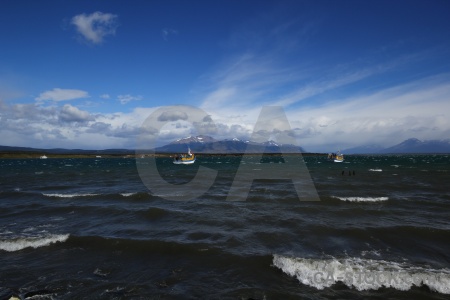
(86, 74)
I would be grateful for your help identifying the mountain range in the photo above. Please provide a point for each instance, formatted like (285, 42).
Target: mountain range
(207, 144)
(412, 145)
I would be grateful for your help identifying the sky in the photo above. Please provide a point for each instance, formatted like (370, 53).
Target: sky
(87, 74)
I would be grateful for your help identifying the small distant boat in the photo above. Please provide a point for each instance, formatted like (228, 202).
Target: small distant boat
(336, 157)
(43, 157)
(184, 159)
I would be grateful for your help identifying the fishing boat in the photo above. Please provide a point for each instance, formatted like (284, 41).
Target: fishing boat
(336, 157)
(184, 159)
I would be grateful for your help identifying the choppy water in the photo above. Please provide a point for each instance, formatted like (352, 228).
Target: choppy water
(90, 229)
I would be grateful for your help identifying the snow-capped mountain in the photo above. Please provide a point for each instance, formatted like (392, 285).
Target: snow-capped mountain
(206, 144)
(195, 139)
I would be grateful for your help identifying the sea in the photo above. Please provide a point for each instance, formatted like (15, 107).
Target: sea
(92, 228)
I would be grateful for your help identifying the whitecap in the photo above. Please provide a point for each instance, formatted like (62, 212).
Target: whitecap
(127, 194)
(375, 170)
(363, 274)
(69, 195)
(33, 242)
(362, 199)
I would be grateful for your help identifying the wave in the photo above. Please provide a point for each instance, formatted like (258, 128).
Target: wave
(363, 274)
(375, 170)
(33, 242)
(362, 199)
(141, 246)
(128, 194)
(131, 195)
(70, 195)
(154, 213)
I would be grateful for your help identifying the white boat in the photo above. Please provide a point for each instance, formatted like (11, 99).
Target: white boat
(43, 157)
(336, 157)
(184, 159)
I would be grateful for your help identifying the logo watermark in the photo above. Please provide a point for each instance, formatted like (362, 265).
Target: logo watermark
(272, 121)
(372, 278)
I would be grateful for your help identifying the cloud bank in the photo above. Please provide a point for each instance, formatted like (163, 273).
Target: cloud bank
(330, 109)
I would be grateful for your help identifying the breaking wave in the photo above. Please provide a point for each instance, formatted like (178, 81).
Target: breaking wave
(363, 274)
(128, 194)
(69, 195)
(362, 199)
(33, 242)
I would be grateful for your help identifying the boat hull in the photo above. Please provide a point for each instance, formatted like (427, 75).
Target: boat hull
(184, 162)
(186, 159)
(336, 157)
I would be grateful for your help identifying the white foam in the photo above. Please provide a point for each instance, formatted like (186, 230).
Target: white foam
(362, 199)
(371, 252)
(375, 170)
(127, 194)
(363, 274)
(69, 195)
(34, 242)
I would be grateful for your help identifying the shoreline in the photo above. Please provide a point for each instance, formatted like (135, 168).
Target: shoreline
(17, 155)
(35, 155)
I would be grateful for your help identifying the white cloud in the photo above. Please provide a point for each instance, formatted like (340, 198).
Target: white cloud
(62, 95)
(68, 127)
(219, 97)
(417, 109)
(105, 96)
(326, 84)
(172, 116)
(70, 113)
(323, 119)
(166, 32)
(94, 27)
(327, 104)
(124, 99)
